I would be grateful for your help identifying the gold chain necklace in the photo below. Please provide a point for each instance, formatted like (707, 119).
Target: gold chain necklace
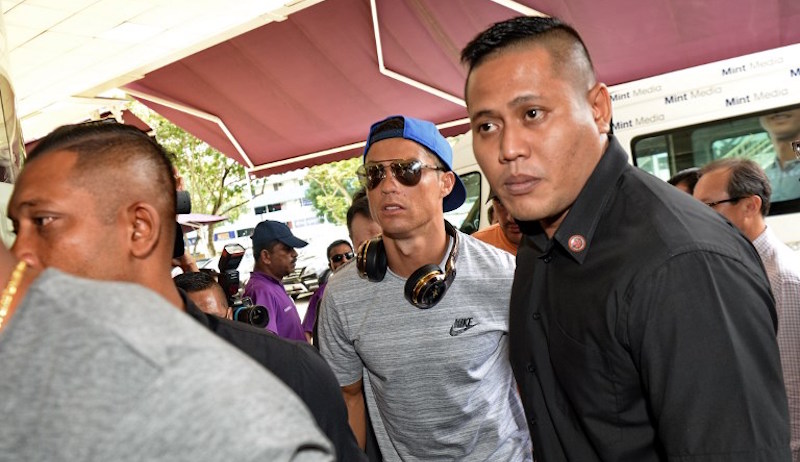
(11, 290)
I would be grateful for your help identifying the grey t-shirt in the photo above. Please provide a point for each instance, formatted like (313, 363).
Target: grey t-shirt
(440, 384)
(109, 371)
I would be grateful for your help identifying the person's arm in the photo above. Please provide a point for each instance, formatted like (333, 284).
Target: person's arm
(186, 262)
(703, 338)
(356, 411)
(338, 350)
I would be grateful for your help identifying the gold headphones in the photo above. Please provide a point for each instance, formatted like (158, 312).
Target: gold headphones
(426, 286)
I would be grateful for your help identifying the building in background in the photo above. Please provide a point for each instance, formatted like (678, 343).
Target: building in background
(284, 200)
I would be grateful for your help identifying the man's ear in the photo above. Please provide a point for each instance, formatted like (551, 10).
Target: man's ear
(447, 183)
(753, 205)
(263, 257)
(600, 101)
(145, 229)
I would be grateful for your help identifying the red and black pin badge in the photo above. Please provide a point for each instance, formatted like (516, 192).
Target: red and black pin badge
(576, 243)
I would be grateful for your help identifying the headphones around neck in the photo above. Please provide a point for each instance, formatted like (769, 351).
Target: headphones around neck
(426, 286)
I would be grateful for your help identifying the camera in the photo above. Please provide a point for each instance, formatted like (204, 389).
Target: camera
(243, 309)
(255, 315)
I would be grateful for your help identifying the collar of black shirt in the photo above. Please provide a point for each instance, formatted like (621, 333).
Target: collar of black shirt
(581, 221)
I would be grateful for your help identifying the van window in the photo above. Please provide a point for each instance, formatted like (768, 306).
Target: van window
(467, 217)
(666, 153)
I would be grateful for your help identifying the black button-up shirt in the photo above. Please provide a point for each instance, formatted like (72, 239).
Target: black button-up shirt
(644, 330)
(296, 364)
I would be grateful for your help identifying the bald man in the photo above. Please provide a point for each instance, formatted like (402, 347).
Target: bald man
(98, 200)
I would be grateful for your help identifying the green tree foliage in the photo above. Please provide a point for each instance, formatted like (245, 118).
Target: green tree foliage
(331, 188)
(215, 182)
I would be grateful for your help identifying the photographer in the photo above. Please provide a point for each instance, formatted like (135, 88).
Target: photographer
(205, 292)
(111, 187)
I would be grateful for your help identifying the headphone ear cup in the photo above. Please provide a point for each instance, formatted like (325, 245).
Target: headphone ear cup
(371, 260)
(426, 286)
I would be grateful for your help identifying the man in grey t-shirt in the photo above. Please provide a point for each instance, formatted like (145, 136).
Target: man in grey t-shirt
(439, 385)
(110, 371)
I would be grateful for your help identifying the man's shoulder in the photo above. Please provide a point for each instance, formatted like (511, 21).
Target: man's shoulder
(786, 260)
(480, 256)
(128, 311)
(486, 232)
(670, 221)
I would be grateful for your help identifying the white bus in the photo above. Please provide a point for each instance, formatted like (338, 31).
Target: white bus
(690, 117)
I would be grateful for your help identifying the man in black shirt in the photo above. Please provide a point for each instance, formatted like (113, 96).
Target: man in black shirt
(642, 324)
(98, 201)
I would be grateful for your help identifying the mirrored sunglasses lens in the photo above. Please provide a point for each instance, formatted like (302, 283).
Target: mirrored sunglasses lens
(374, 175)
(407, 172)
(370, 175)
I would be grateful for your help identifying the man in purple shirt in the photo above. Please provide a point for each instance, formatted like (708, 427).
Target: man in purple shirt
(339, 253)
(273, 249)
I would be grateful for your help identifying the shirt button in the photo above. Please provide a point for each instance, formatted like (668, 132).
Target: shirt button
(532, 421)
(531, 368)
(547, 258)
(537, 316)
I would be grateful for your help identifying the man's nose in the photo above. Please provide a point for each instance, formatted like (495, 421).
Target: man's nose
(389, 183)
(512, 143)
(23, 250)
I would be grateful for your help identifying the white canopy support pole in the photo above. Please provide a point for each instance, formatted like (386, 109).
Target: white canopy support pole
(519, 8)
(197, 113)
(402, 78)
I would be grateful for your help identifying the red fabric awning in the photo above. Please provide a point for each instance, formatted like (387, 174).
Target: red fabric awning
(312, 83)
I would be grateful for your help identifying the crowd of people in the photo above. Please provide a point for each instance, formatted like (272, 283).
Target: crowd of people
(606, 316)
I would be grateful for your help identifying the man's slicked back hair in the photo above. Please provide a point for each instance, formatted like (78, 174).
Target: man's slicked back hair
(107, 153)
(560, 39)
(747, 179)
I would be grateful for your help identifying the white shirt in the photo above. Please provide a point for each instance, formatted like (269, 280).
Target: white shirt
(783, 271)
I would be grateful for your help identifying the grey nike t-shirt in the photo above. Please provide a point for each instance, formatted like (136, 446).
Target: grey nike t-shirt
(440, 384)
(111, 372)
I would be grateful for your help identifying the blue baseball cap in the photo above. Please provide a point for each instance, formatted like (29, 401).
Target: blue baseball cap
(426, 134)
(268, 231)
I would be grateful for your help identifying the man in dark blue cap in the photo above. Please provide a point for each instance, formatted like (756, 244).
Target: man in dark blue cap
(426, 349)
(273, 250)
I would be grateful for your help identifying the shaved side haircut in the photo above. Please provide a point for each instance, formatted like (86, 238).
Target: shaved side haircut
(569, 52)
(115, 161)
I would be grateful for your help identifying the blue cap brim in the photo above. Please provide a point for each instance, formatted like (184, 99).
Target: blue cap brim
(456, 197)
(293, 242)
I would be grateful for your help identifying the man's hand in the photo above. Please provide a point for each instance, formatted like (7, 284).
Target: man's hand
(186, 262)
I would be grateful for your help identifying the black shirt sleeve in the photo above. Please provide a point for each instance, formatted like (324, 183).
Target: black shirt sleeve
(708, 359)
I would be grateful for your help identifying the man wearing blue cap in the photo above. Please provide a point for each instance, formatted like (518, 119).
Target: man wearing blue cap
(427, 349)
(273, 250)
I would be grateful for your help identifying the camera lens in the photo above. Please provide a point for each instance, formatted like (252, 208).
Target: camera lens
(256, 316)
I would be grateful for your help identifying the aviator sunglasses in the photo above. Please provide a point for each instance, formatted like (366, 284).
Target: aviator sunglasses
(407, 171)
(342, 256)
